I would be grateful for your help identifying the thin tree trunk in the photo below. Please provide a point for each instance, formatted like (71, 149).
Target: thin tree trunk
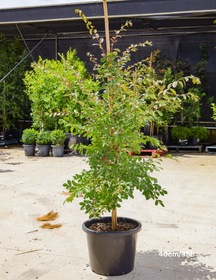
(114, 219)
(152, 128)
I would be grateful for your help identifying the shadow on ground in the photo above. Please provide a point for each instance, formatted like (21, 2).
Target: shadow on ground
(151, 265)
(5, 171)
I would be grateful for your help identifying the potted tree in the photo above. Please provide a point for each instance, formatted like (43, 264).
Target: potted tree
(29, 138)
(181, 134)
(44, 143)
(113, 120)
(58, 138)
(198, 133)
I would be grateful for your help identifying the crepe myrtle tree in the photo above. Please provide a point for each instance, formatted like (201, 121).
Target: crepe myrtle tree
(114, 116)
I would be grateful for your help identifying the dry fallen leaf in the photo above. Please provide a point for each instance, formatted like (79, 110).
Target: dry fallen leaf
(49, 226)
(51, 216)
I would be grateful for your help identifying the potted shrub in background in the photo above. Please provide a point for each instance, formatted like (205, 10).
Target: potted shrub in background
(191, 109)
(198, 133)
(153, 84)
(58, 138)
(181, 134)
(44, 143)
(48, 94)
(29, 138)
(113, 120)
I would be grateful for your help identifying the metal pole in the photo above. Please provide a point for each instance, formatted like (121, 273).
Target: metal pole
(24, 40)
(22, 59)
(56, 47)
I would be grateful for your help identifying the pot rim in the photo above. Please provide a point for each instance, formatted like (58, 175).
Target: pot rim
(108, 219)
(29, 145)
(57, 146)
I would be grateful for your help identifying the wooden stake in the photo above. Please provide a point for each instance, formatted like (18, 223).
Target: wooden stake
(106, 20)
(106, 26)
(114, 219)
(151, 128)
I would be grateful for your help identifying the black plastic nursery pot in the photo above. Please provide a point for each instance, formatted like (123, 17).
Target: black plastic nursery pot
(7, 135)
(111, 253)
(194, 141)
(70, 140)
(157, 137)
(29, 150)
(44, 150)
(58, 151)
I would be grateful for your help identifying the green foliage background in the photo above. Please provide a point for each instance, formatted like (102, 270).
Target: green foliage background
(14, 102)
(49, 92)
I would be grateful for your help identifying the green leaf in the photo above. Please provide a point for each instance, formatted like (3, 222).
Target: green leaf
(172, 90)
(69, 182)
(175, 84)
(194, 80)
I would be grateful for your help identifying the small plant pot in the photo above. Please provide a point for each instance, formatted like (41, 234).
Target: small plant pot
(44, 150)
(7, 135)
(18, 134)
(58, 151)
(194, 141)
(111, 253)
(29, 150)
(70, 140)
(183, 142)
(166, 139)
(152, 146)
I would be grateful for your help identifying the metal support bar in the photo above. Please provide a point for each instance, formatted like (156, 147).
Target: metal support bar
(56, 48)
(151, 25)
(24, 40)
(22, 59)
(43, 29)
